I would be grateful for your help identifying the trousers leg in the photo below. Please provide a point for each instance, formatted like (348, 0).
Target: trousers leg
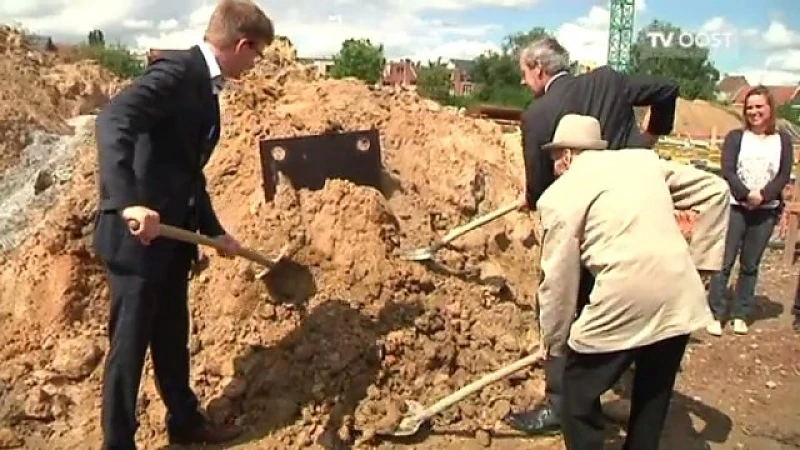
(554, 386)
(656, 369)
(719, 281)
(130, 324)
(169, 347)
(758, 232)
(586, 378)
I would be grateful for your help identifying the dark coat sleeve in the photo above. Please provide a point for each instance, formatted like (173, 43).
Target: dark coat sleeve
(660, 94)
(730, 155)
(538, 163)
(208, 222)
(133, 111)
(772, 191)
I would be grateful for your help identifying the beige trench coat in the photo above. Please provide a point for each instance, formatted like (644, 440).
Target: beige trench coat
(612, 212)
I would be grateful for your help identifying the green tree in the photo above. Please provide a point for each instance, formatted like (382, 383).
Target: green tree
(433, 81)
(117, 58)
(359, 58)
(789, 113)
(96, 38)
(515, 42)
(690, 67)
(498, 74)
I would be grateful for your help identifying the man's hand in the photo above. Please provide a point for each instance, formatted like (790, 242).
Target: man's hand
(686, 220)
(542, 353)
(230, 245)
(705, 276)
(649, 139)
(522, 203)
(754, 199)
(143, 223)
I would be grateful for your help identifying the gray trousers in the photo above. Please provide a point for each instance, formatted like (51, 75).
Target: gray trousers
(748, 235)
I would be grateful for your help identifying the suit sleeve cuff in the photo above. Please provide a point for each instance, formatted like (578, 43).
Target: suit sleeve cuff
(121, 202)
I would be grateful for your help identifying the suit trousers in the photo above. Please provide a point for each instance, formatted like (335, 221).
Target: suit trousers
(155, 314)
(588, 376)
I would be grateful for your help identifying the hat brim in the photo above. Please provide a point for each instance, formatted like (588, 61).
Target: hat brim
(592, 144)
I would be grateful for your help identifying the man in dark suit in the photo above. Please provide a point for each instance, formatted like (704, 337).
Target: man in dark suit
(608, 96)
(153, 140)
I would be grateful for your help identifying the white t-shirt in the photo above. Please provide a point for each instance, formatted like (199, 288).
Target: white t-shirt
(758, 163)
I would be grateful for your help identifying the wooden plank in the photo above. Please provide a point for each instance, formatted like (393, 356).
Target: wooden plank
(790, 246)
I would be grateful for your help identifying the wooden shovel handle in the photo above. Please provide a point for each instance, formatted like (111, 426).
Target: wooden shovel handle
(476, 386)
(479, 222)
(179, 234)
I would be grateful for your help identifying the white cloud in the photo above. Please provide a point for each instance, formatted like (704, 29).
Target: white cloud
(756, 76)
(586, 38)
(779, 36)
(316, 28)
(780, 49)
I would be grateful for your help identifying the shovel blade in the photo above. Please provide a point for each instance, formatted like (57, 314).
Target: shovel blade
(410, 422)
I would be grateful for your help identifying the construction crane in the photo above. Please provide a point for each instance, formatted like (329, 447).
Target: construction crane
(620, 34)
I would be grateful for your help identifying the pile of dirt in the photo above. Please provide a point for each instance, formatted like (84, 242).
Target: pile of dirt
(40, 93)
(699, 119)
(324, 348)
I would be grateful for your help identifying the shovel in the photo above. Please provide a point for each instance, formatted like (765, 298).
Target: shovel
(182, 235)
(417, 414)
(426, 253)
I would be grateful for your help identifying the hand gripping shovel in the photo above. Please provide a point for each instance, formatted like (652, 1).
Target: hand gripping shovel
(426, 253)
(182, 235)
(417, 414)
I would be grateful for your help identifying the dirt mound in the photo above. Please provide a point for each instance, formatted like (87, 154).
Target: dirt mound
(324, 348)
(699, 119)
(37, 93)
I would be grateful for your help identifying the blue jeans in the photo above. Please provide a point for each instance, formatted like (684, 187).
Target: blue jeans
(748, 235)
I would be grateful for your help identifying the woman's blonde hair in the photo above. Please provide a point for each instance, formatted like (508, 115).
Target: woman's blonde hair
(771, 121)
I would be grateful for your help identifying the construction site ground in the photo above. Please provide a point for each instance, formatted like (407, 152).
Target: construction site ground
(322, 352)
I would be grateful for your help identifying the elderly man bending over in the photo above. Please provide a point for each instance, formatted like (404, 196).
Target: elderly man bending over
(612, 212)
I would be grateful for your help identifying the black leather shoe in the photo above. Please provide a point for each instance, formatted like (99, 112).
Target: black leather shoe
(541, 420)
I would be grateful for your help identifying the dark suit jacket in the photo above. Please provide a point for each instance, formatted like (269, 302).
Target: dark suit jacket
(730, 156)
(604, 94)
(153, 140)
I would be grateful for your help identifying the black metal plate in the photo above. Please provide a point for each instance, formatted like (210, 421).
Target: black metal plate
(308, 161)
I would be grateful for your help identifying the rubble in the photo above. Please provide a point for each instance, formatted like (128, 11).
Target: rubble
(40, 93)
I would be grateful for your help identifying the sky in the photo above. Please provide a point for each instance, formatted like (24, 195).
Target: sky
(760, 40)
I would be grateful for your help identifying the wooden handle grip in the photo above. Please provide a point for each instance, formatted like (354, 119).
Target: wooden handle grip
(476, 386)
(479, 222)
(179, 234)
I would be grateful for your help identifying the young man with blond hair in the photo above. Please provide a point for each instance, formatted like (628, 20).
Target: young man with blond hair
(153, 140)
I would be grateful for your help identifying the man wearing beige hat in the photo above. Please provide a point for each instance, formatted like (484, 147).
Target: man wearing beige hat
(612, 212)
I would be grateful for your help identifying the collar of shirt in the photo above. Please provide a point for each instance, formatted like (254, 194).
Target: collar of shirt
(217, 82)
(554, 78)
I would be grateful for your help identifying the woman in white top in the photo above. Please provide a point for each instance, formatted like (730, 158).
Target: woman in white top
(756, 162)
